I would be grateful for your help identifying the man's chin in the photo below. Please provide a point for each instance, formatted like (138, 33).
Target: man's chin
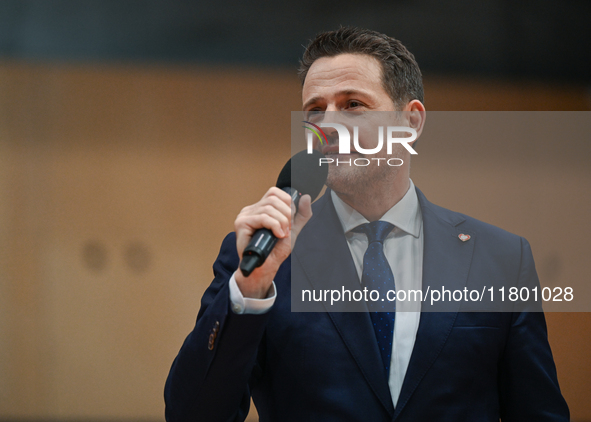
(344, 177)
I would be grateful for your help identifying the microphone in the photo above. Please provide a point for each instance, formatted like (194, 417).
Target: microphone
(308, 178)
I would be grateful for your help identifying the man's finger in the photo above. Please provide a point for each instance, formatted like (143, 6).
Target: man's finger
(303, 215)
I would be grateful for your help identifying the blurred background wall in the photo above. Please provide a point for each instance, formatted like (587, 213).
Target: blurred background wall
(132, 133)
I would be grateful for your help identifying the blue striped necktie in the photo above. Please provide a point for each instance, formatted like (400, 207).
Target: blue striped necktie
(377, 275)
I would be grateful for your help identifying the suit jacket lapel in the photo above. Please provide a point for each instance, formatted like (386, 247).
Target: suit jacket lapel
(322, 254)
(446, 261)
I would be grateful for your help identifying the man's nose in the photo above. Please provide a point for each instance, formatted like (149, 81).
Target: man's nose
(332, 136)
(337, 117)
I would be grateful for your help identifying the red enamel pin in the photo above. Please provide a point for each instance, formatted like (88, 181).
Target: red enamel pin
(464, 237)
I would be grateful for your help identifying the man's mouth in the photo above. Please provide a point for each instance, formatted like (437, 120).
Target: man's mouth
(334, 150)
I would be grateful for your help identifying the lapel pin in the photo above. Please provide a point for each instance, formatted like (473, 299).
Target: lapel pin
(464, 237)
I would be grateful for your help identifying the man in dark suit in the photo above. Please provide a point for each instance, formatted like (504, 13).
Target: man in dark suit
(335, 366)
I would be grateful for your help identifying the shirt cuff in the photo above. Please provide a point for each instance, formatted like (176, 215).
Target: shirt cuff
(247, 305)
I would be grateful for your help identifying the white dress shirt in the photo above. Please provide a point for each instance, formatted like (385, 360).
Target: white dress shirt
(403, 248)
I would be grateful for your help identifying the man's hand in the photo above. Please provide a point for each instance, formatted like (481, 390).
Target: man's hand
(274, 212)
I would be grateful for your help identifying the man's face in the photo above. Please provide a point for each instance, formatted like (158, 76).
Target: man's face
(350, 84)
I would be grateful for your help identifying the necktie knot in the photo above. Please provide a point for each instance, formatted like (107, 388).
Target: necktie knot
(376, 231)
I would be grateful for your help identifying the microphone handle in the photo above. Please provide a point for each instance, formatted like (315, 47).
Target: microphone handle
(262, 242)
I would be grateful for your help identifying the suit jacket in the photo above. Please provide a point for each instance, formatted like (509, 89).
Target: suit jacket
(325, 366)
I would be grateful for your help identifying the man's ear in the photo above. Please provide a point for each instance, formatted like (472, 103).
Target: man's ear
(416, 115)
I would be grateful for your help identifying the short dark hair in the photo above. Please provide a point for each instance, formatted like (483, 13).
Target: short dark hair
(401, 75)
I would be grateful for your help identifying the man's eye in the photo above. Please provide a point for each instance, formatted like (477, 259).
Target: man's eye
(354, 104)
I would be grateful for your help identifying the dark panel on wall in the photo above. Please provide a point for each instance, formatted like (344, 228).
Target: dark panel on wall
(541, 39)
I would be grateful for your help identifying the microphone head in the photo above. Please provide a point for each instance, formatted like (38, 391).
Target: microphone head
(304, 173)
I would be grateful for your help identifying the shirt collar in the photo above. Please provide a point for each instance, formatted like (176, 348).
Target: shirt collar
(405, 215)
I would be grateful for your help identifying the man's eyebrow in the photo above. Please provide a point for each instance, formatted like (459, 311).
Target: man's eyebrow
(344, 93)
(310, 101)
